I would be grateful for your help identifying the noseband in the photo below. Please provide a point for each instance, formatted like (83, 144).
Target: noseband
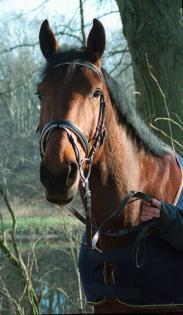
(65, 125)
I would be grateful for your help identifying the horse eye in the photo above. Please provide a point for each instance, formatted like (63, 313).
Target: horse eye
(39, 95)
(97, 93)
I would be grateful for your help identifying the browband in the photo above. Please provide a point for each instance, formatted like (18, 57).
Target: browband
(87, 64)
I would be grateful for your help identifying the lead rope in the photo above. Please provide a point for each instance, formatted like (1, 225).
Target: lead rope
(142, 230)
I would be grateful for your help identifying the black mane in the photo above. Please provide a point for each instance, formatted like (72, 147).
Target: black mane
(137, 130)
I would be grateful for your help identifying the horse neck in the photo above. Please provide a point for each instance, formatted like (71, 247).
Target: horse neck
(112, 174)
(121, 168)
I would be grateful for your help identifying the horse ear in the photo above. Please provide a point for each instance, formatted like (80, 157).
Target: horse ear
(96, 41)
(47, 40)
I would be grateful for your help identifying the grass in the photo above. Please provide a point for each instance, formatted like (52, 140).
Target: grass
(44, 229)
(52, 226)
(39, 224)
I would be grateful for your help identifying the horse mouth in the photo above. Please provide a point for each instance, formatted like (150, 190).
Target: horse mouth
(60, 199)
(60, 202)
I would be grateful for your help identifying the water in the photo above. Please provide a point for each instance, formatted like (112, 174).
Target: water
(55, 281)
(52, 301)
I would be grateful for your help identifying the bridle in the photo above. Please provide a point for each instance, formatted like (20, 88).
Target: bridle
(85, 169)
(90, 147)
(67, 125)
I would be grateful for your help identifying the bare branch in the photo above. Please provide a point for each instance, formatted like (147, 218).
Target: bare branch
(178, 144)
(82, 22)
(7, 50)
(128, 65)
(164, 99)
(17, 260)
(170, 119)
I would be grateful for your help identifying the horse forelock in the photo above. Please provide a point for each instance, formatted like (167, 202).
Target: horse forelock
(62, 56)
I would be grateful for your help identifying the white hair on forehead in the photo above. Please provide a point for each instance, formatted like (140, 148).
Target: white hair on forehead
(71, 69)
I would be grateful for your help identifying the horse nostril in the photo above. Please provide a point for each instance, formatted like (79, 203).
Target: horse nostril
(66, 176)
(72, 173)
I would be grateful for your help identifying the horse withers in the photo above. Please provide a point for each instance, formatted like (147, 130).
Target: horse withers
(91, 140)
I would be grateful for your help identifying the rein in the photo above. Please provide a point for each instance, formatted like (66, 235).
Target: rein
(85, 169)
(141, 229)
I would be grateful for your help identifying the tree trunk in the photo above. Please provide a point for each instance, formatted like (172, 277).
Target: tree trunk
(154, 34)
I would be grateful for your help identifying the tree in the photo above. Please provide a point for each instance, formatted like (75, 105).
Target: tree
(153, 30)
(15, 258)
(20, 66)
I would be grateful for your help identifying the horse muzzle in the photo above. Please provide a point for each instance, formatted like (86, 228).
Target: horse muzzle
(61, 187)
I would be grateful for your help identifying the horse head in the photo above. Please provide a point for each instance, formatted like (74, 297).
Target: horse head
(72, 103)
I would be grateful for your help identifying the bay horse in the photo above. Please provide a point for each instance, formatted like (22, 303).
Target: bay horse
(91, 140)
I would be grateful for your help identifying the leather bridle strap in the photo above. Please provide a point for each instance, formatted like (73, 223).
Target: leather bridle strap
(67, 124)
(141, 229)
(118, 212)
(61, 124)
(78, 62)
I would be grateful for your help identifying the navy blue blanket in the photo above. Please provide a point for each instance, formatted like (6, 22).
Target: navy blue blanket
(159, 280)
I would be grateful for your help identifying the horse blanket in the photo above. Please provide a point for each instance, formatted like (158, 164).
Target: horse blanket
(156, 279)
